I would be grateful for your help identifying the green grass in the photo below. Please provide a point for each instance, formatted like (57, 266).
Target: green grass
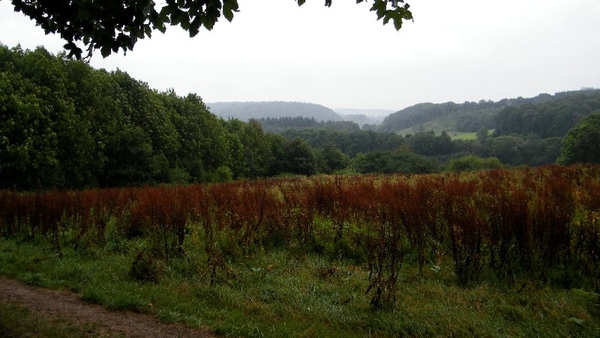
(455, 135)
(462, 135)
(279, 294)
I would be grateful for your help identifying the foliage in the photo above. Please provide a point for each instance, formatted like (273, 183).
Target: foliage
(545, 115)
(514, 150)
(398, 161)
(113, 25)
(482, 135)
(468, 116)
(333, 159)
(255, 153)
(65, 125)
(299, 158)
(508, 149)
(300, 251)
(279, 124)
(427, 143)
(472, 163)
(350, 143)
(582, 143)
(548, 119)
(522, 222)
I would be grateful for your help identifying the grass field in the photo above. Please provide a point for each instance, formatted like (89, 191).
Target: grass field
(455, 135)
(461, 135)
(276, 294)
(502, 253)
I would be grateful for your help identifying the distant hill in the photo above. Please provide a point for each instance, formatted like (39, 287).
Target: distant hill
(360, 119)
(272, 109)
(363, 116)
(467, 116)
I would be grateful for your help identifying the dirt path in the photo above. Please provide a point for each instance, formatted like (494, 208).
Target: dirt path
(64, 305)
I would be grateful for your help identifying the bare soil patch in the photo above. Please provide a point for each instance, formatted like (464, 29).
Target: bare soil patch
(66, 306)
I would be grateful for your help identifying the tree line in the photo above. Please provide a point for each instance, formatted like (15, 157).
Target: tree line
(549, 119)
(65, 125)
(280, 124)
(545, 115)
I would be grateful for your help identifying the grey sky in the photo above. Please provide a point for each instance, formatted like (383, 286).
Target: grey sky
(341, 57)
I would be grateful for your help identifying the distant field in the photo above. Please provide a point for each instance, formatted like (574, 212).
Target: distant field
(455, 135)
(462, 135)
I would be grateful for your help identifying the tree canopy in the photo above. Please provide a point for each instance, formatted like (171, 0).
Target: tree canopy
(548, 119)
(110, 26)
(65, 125)
(582, 143)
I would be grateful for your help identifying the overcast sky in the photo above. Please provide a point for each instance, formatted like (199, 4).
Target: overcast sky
(341, 57)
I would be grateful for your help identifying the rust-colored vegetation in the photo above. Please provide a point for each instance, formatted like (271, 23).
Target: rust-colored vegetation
(512, 226)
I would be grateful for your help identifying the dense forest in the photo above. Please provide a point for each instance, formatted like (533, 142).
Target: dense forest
(280, 124)
(65, 125)
(471, 116)
(549, 119)
(468, 116)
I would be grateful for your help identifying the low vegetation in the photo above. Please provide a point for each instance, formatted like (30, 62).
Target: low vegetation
(496, 253)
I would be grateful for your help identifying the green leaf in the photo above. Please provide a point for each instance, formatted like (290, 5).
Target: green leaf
(148, 31)
(232, 6)
(158, 21)
(195, 26)
(406, 13)
(181, 18)
(165, 13)
(398, 24)
(227, 11)
(379, 7)
(105, 50)
(388, 16)
(185, 23)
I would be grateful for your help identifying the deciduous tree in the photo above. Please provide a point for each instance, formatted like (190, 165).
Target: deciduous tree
(582, 143)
